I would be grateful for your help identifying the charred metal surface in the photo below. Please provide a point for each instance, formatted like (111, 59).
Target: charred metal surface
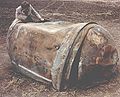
(98, 51)
(61, 53)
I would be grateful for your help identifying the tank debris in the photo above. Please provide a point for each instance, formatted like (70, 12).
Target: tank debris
(58, 52)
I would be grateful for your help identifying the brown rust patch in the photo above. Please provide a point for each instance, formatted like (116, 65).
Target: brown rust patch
(105, 55)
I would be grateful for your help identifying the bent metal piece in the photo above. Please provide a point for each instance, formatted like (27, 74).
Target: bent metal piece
(56, 52)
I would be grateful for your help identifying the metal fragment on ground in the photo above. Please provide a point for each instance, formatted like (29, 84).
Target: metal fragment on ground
(58, 52)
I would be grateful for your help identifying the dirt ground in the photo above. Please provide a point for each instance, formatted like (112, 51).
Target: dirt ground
(105, 13)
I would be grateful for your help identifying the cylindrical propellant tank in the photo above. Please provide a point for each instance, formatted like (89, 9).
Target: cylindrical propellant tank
(58, 52)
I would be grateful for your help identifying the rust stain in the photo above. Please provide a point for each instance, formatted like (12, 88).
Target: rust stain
(105, 55)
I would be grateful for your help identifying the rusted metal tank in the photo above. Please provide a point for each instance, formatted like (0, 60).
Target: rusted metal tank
(57, 52)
